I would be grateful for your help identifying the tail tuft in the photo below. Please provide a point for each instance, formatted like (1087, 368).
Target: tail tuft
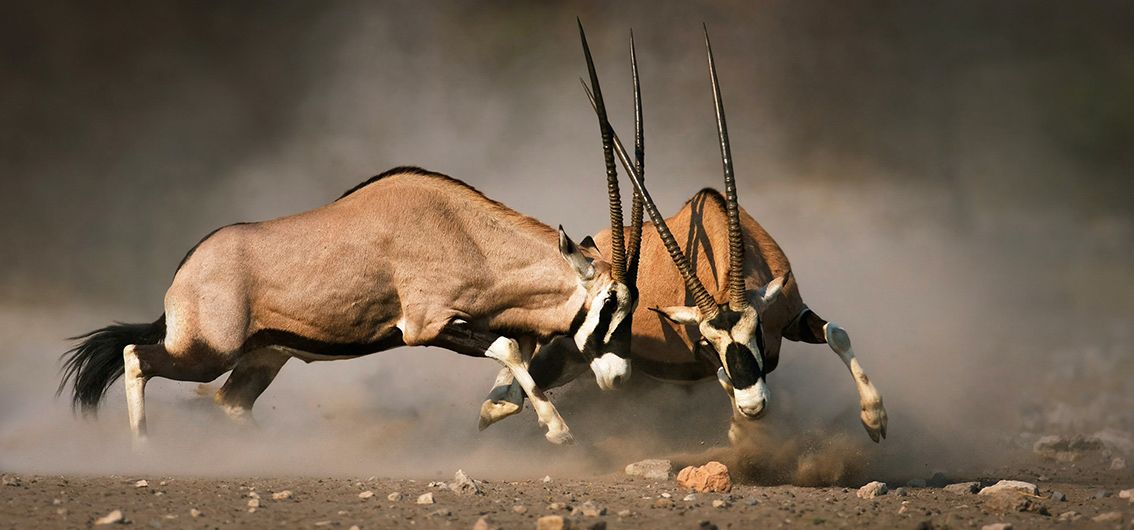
(96, 362)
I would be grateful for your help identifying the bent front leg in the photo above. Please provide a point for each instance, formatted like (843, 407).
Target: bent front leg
(252, 375)
(555, 364)
(810, 327)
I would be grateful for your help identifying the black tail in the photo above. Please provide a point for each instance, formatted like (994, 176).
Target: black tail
(96, 363)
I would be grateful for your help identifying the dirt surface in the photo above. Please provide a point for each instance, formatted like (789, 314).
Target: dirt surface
(625, 502)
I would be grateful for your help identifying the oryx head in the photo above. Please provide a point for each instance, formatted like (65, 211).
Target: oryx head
(612, 292)
(732, 329)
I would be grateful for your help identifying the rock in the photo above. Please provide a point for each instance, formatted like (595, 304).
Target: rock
(485, 523)
(394, 497)
(590, 509)
(1108, 517)
(997, 526)
(1010, 485)
(1058, 496)
(354, 527)
(653, 469)
(114, 517)
(438, 484)
(425, 498)
(254, 503)
(963, 488)
(142, 484)
(916, 483)
(1069, 515)
(624, 513)
(901, 492)
(1066, 448)
(720, 503)
(253, 494)
(553, 522)
(938, 480)
(689, 498)
(520, 508)
(443, 512)
(1117, 463)
(546, 479)
(710, 478)
(556, 506)
(366, 495)
(1102, 494)
(872, 490)
(13, 481)
(1127, 494)
(666, 495)
(1009, 501)
(195, 513)
(281, 495)
(463, 485)
(663, 503)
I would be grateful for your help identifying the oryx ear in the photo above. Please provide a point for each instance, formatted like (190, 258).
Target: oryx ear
(679, 314)
(575, 257)
(767, 294)
(588, 243)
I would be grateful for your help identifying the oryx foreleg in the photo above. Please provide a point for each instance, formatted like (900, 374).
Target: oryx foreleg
(253, 373)
(555, 364)
(505, 399)
(873, 413)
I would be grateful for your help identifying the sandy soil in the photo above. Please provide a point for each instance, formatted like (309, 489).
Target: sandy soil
(1091, 490)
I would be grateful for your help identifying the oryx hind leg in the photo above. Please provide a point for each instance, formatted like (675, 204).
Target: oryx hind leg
(135, 382)
(251, 376)
(810, 327)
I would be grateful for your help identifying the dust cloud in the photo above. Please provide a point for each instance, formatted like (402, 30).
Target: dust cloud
(950, 181)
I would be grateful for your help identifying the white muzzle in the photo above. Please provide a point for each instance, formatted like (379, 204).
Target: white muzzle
(610, 371)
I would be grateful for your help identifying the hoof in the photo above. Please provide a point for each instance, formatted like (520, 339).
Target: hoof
(560, 437)
(494, 411)
(874, 421)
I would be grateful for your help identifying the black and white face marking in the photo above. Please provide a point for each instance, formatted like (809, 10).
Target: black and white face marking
(736, 336)
(602, 336)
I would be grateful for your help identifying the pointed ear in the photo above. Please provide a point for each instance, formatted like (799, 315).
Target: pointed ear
(575, 257)
(679, 314)
(768, 294)
(588, 243)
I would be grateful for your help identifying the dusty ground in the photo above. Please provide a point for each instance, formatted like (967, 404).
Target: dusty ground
(1091, 489)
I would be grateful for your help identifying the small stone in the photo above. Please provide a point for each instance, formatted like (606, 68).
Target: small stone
(366, 495)
(354, 527)
(11, 481)
(1127, 494)
(485, 523)
(997, 526)
(56, 502)
(323, 523)
(903, 509)
(752, 501)
(624, 513)
(711, 477)
(443, 512)
(963, 488)
(195, 513)
(253, 503)
(666, 495)
(463, 485)
(938, 480)
(690, 498)
(663, 503)
(1117, 463)
(1058, 496)
(556, 506)
(425, 498)
(1008, 501)
(720, 503)
(395, 497)
(114, 517)
(1108, 517)
(1011, 485)
(546, 479)
(281, 495)
(553, 522)
(901, 492)
(872, 490)
(142, 484)
(652, 469)
(520, 508)
(590, 509)
(253, 494)
(1069, 515)
(438, 484)
(916, 483)
(1102, 494)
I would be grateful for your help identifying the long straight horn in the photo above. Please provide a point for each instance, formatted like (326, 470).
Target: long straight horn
(617, 241)
(634, 248)
(736, 299)
(701, 296)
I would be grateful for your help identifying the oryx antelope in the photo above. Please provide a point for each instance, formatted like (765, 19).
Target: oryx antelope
(409, 257)
(711, 319)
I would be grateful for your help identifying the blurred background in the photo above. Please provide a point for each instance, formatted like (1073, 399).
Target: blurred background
(951, 180)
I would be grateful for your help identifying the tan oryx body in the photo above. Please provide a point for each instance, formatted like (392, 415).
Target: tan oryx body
(410, 257)
(722, 291)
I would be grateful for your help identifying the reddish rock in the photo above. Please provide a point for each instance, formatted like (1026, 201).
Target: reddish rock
(711, 477)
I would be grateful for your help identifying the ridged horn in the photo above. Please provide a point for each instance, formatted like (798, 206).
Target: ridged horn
(617, 239)
(634, 246)
(736, 298)
(701, 296)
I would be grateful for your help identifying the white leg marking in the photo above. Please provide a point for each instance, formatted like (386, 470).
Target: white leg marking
(873, 413)
(507, 352)
(135, 394)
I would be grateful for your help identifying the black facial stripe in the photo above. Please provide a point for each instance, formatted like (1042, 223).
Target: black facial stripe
(742, 366)
(606, 314)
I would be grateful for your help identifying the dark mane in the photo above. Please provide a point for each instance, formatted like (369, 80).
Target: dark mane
(412, 170)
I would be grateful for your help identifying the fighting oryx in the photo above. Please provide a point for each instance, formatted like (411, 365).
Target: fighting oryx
(731, 329)
(409, 257)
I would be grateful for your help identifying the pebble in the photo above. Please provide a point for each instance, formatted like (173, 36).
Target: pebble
(556, 506)
(443, 512)
(663, 503)
(425, 498)
(546, 479)
(485, 523)
(195, 513)
(720, 503)
(1127, 494)
(624, 513)
(520, 508)
(1011, 485)
(938, 480)
(1069, 515)
(689, 498)
(553, 522)
(463, 485)
(901, 492)
(997, 526)
(438, 484)
(872, 490)
(253, 503)
(142, 484)
(114, 517)
(281, 495)
(711, 477)
(652, 469)
(589, 509)
(1117, 463)
(1102, 494)
(395, 497)
(11, 481)
(354, 527)
(666, 495)
(963, 487)
(367, 494)
(1058, 496)
(1108, 517)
